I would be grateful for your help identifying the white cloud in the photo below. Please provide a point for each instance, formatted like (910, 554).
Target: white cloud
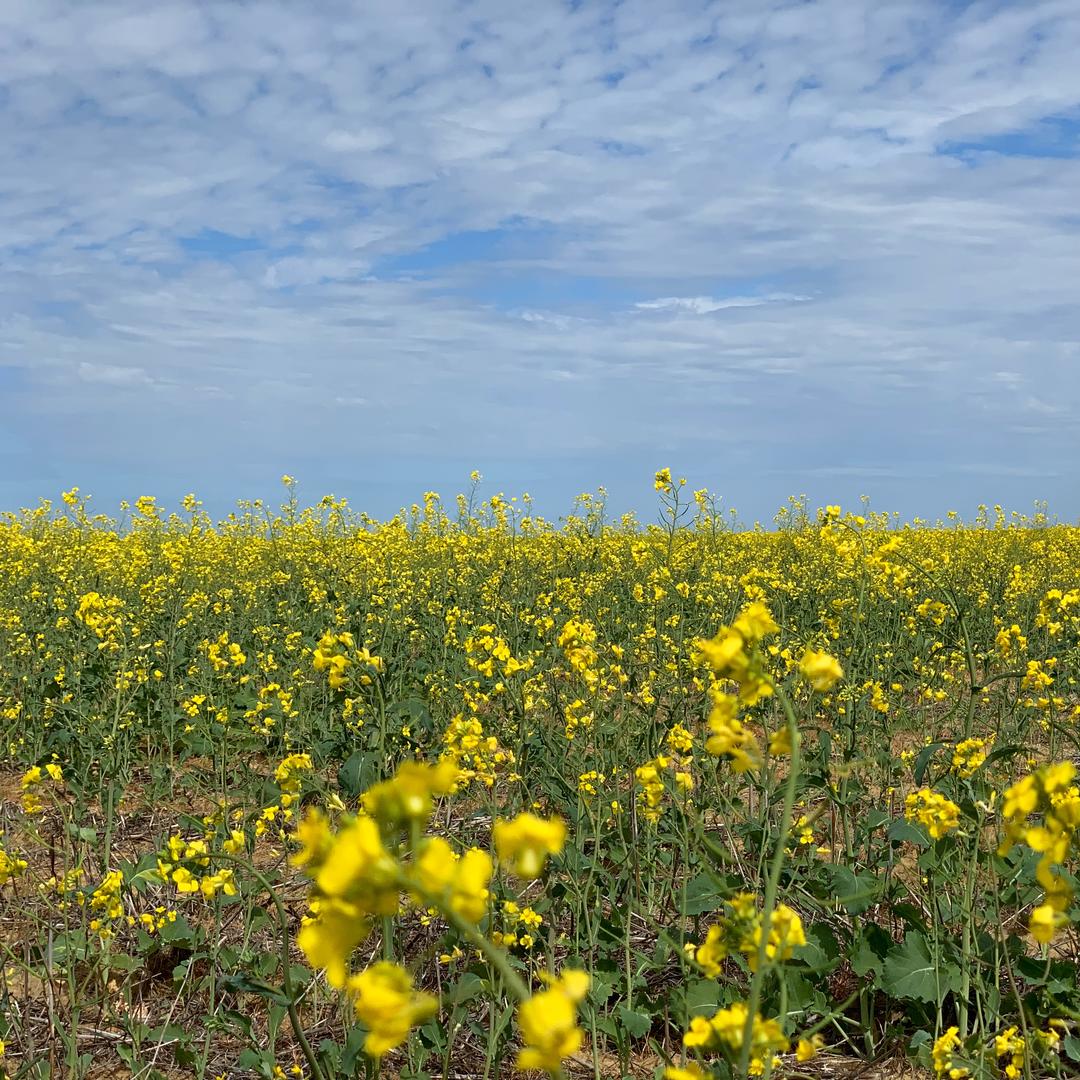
(784, 164)
(705, 305)
(112, 374)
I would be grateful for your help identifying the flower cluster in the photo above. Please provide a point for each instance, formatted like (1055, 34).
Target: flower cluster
(820, 670)
(969, 755)
(548, 1022)
(733, 653)
(1050, 792)
(386, 1002)
(477, 756)
(725, 1032)
(105, 901)
(186, 864)
(740, 929)
(11, 866)
(937, 814)
(360, 872)
(337, 653)
(943, 1056)
(577, 640)
(526, 841)
(31, 785)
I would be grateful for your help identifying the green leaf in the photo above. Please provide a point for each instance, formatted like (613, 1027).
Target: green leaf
(910, 972)
(821, 950)
(123, 962)
(354, 1047)
(82, 832)
(702, 997)
(904, 832)
(358, 773)
(465, 989)
(178, 933)
(804, 994)
(854, 892)
(923, 760)
(870, 949)
(245, 984)
(637, 1024)
(702, 895)
(239, 1021)
(603, 986)
(256, 1061)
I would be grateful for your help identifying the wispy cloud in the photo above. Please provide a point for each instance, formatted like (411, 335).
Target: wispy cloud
(112, 374)
(705, 305)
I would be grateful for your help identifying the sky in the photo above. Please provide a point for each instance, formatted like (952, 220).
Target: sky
(825, 247)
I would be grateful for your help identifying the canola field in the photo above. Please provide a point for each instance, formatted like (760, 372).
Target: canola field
(301, 793)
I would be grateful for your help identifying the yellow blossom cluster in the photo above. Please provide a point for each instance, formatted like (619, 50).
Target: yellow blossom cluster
(336, 654)
(936, 813)
(31, 785)
(359, 873)
(725, 1032)
(740, 929)
(1049, 791)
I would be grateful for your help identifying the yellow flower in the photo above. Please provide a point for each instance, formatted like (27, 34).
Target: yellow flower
(222, 881)
(357, 863)
(755, 622)
(725, 653)
(1021, 799)
(725, 1030)
(11, 866)
(1045, 922)
(729, 737)
(286, 772)
(785, 935)
(732, 653)
(407, 796)
(1011, 1044)
(680, 739)
(461, 883)
(548, 1022)
(329, 939)
(313, 833)
(780, 742)
(712, 951)
(1057, 777)
(386, 1002)
(937, 814)
(527, 841)
(806, 1049)
(820, 670)
(969, 755)
(236, 844)
(942, 1056)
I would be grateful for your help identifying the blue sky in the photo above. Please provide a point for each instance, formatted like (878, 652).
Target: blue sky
(824, 247)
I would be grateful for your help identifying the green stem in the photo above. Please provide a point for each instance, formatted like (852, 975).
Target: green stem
(286, 973)
(492, 953)
(772, 884)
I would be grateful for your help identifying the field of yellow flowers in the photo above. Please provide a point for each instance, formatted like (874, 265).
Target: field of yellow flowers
(303, 793)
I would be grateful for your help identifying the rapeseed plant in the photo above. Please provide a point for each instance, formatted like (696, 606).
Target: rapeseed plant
(750, 788)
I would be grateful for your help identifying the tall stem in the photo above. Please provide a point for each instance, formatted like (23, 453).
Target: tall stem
(772, 884)
(492, 953)
(286, 964)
